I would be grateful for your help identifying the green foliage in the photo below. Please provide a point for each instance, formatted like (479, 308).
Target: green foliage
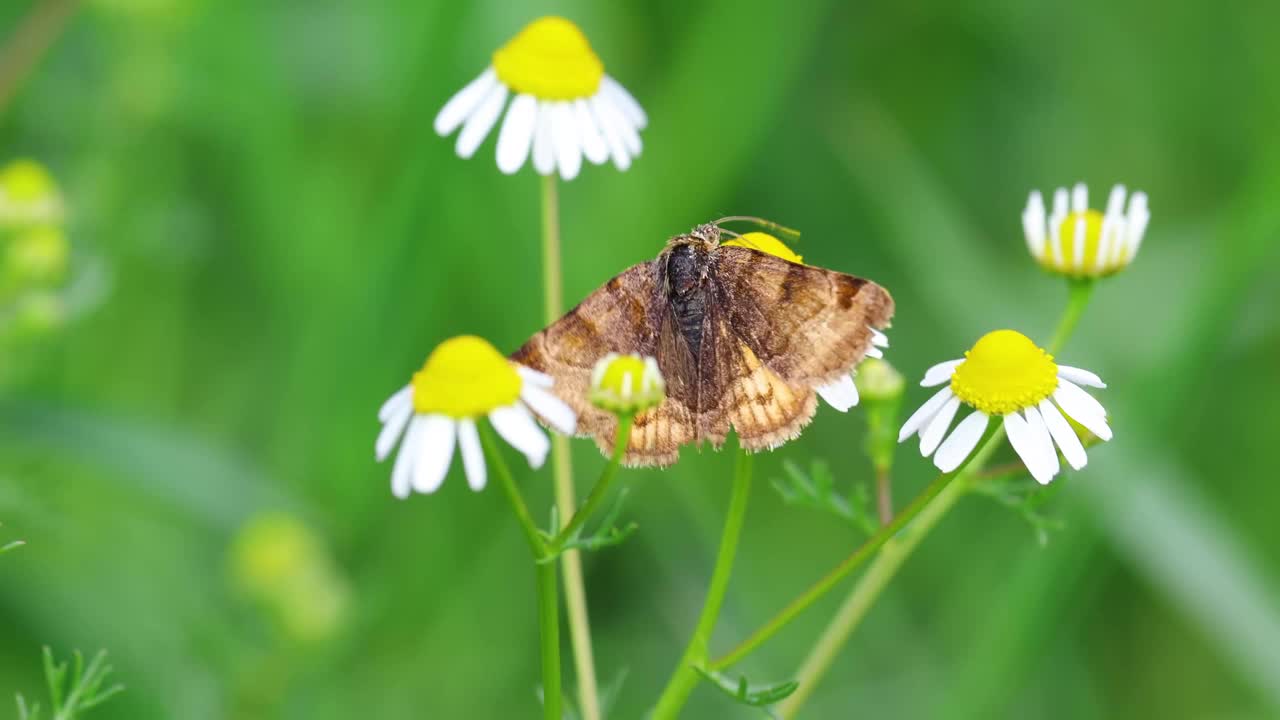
(607, 533)
(756, 696)
(74, 687)
(816, 490)
(11, 545)
(1018, 492)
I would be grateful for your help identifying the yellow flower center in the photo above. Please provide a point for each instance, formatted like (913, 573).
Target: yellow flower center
(465, 377)
(767, 243)
(1067, 242)
(1004, 372)
(549, 59)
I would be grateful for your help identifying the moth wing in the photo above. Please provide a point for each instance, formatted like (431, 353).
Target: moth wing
(628, 314)
(765, 409)
(806, 324)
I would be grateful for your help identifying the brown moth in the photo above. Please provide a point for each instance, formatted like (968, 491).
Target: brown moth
(742, 337)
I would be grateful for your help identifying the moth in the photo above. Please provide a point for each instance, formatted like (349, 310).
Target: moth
(742, 337)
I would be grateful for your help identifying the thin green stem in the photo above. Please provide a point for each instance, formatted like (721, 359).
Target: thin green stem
(686, 676)
(575, 592)
(601, 489)
(838, 573)
(886, 564)
(537, 545)
(549, 633)
(1078, 294)
(544, 577)
(884, 495)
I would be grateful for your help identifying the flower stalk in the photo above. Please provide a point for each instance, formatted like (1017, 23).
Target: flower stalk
(686, 674)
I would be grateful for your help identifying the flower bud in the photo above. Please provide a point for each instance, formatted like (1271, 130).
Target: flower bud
(28, 195)
(878, 380)
(627, 384)
(37, 255)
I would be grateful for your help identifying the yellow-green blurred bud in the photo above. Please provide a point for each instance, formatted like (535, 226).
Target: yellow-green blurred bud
(279, 563)
(37, 255)
(28, 195)
(627, 384)
(878, 380)
(38, 311)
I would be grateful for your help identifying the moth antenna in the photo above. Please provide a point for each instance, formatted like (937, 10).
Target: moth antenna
(783, 230)
(727, 231)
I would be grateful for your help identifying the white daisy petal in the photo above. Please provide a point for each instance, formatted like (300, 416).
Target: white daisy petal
(1095, 424)
(544, 151)
(925, 413)
(604, 121)
(1136, 223)
(401, 399)
(940, 373)
(879, 339)
(593, 145)
(961, 442)
(1078, 243)
(1077, 403)
(391, 432)
(932, 434)
(472, 453)
(875, 352)
(516, 136)
(1048, 453)
(516, 426)
(1055, 224)
(1080, 377)
(435, 451)
(1080, 197)
(464, 102)
(622, 125)
(402, 471)
(1063, 435)
(481, 121)
(529, 375)
(1033, 224)
(564, 133)
(1027, 445)
(550, 408)
(841, 394)
(625, 102)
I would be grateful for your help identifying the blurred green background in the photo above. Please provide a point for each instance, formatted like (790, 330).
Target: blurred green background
(285, 239)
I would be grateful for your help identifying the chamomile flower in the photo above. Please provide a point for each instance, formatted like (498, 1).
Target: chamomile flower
(1079, 242)
(1005, 375)
(626, 384)
(564, 107)
(842, 393)
(463, 379)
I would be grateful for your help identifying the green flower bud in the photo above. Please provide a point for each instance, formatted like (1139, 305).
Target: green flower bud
(37, 255)
(627, 384)
(28, 195)
(878, 380)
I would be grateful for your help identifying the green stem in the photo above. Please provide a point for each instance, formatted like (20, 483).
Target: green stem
(686, 676)
(575, 592)
(544, 578)
(549, 633)
(1078, 294)
(828, 581)
(883, 569)
(537, 545)
(601, 489)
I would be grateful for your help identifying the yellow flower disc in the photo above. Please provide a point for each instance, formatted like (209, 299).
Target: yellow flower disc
(1004, 372)
(465, 377)
(549, 59)
(766, 243)
(1067, 244)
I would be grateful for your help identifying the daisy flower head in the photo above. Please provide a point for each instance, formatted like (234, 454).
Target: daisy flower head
(1007, 376)
(465, 379)
(563, 105)
(1082, 243)
(627, 384)
(841, 393)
